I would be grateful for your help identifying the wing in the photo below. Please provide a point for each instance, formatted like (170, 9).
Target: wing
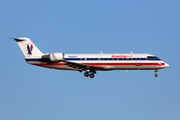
(78, 66)
(83, 67)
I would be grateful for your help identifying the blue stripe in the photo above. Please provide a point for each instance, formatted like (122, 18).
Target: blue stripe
(93, 59)
(74, 59)
(29, 51)
(37, 59)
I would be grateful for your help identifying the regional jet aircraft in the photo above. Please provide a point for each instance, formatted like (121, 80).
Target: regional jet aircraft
(90, 63)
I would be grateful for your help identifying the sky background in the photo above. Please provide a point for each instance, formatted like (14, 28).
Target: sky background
(29, 92)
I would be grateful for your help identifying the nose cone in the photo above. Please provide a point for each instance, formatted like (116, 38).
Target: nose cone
(166, 65)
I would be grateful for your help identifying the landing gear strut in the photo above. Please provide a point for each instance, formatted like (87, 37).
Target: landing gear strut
(156, 75)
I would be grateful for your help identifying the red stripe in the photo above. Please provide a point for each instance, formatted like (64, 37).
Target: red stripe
(99, 64)
(123, 63)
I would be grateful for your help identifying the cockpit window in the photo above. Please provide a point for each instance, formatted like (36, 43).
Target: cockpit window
(152, 57)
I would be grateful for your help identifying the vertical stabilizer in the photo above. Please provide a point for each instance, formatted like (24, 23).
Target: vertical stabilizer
(28, 47)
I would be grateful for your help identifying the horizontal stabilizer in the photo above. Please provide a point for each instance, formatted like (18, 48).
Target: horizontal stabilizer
(17, 39)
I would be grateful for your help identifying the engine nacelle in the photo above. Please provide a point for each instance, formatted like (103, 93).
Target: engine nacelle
(56, 56)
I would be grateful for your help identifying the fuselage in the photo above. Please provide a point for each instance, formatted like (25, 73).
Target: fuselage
(110, 61)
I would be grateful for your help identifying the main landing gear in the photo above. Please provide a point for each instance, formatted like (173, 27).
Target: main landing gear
(156, 75)
(91, 75)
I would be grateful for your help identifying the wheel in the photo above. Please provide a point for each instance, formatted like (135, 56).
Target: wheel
(155, 75)
(91, 75)
(86, 74)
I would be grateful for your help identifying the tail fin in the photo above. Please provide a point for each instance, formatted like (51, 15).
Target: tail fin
(28, 47)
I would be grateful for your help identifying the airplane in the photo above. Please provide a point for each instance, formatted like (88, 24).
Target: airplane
(89, 63)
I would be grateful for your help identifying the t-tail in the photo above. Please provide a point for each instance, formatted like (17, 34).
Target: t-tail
(28, 48)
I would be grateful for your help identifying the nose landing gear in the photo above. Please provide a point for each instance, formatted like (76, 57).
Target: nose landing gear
(156, 75)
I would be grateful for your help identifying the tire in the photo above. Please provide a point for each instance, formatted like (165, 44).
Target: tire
(86, 74)
(91, 75)
(156, 75)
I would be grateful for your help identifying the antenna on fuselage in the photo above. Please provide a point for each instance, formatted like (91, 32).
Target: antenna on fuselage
(131, 52)
(101, 52)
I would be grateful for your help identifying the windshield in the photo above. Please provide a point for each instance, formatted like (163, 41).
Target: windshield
(152, 57)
